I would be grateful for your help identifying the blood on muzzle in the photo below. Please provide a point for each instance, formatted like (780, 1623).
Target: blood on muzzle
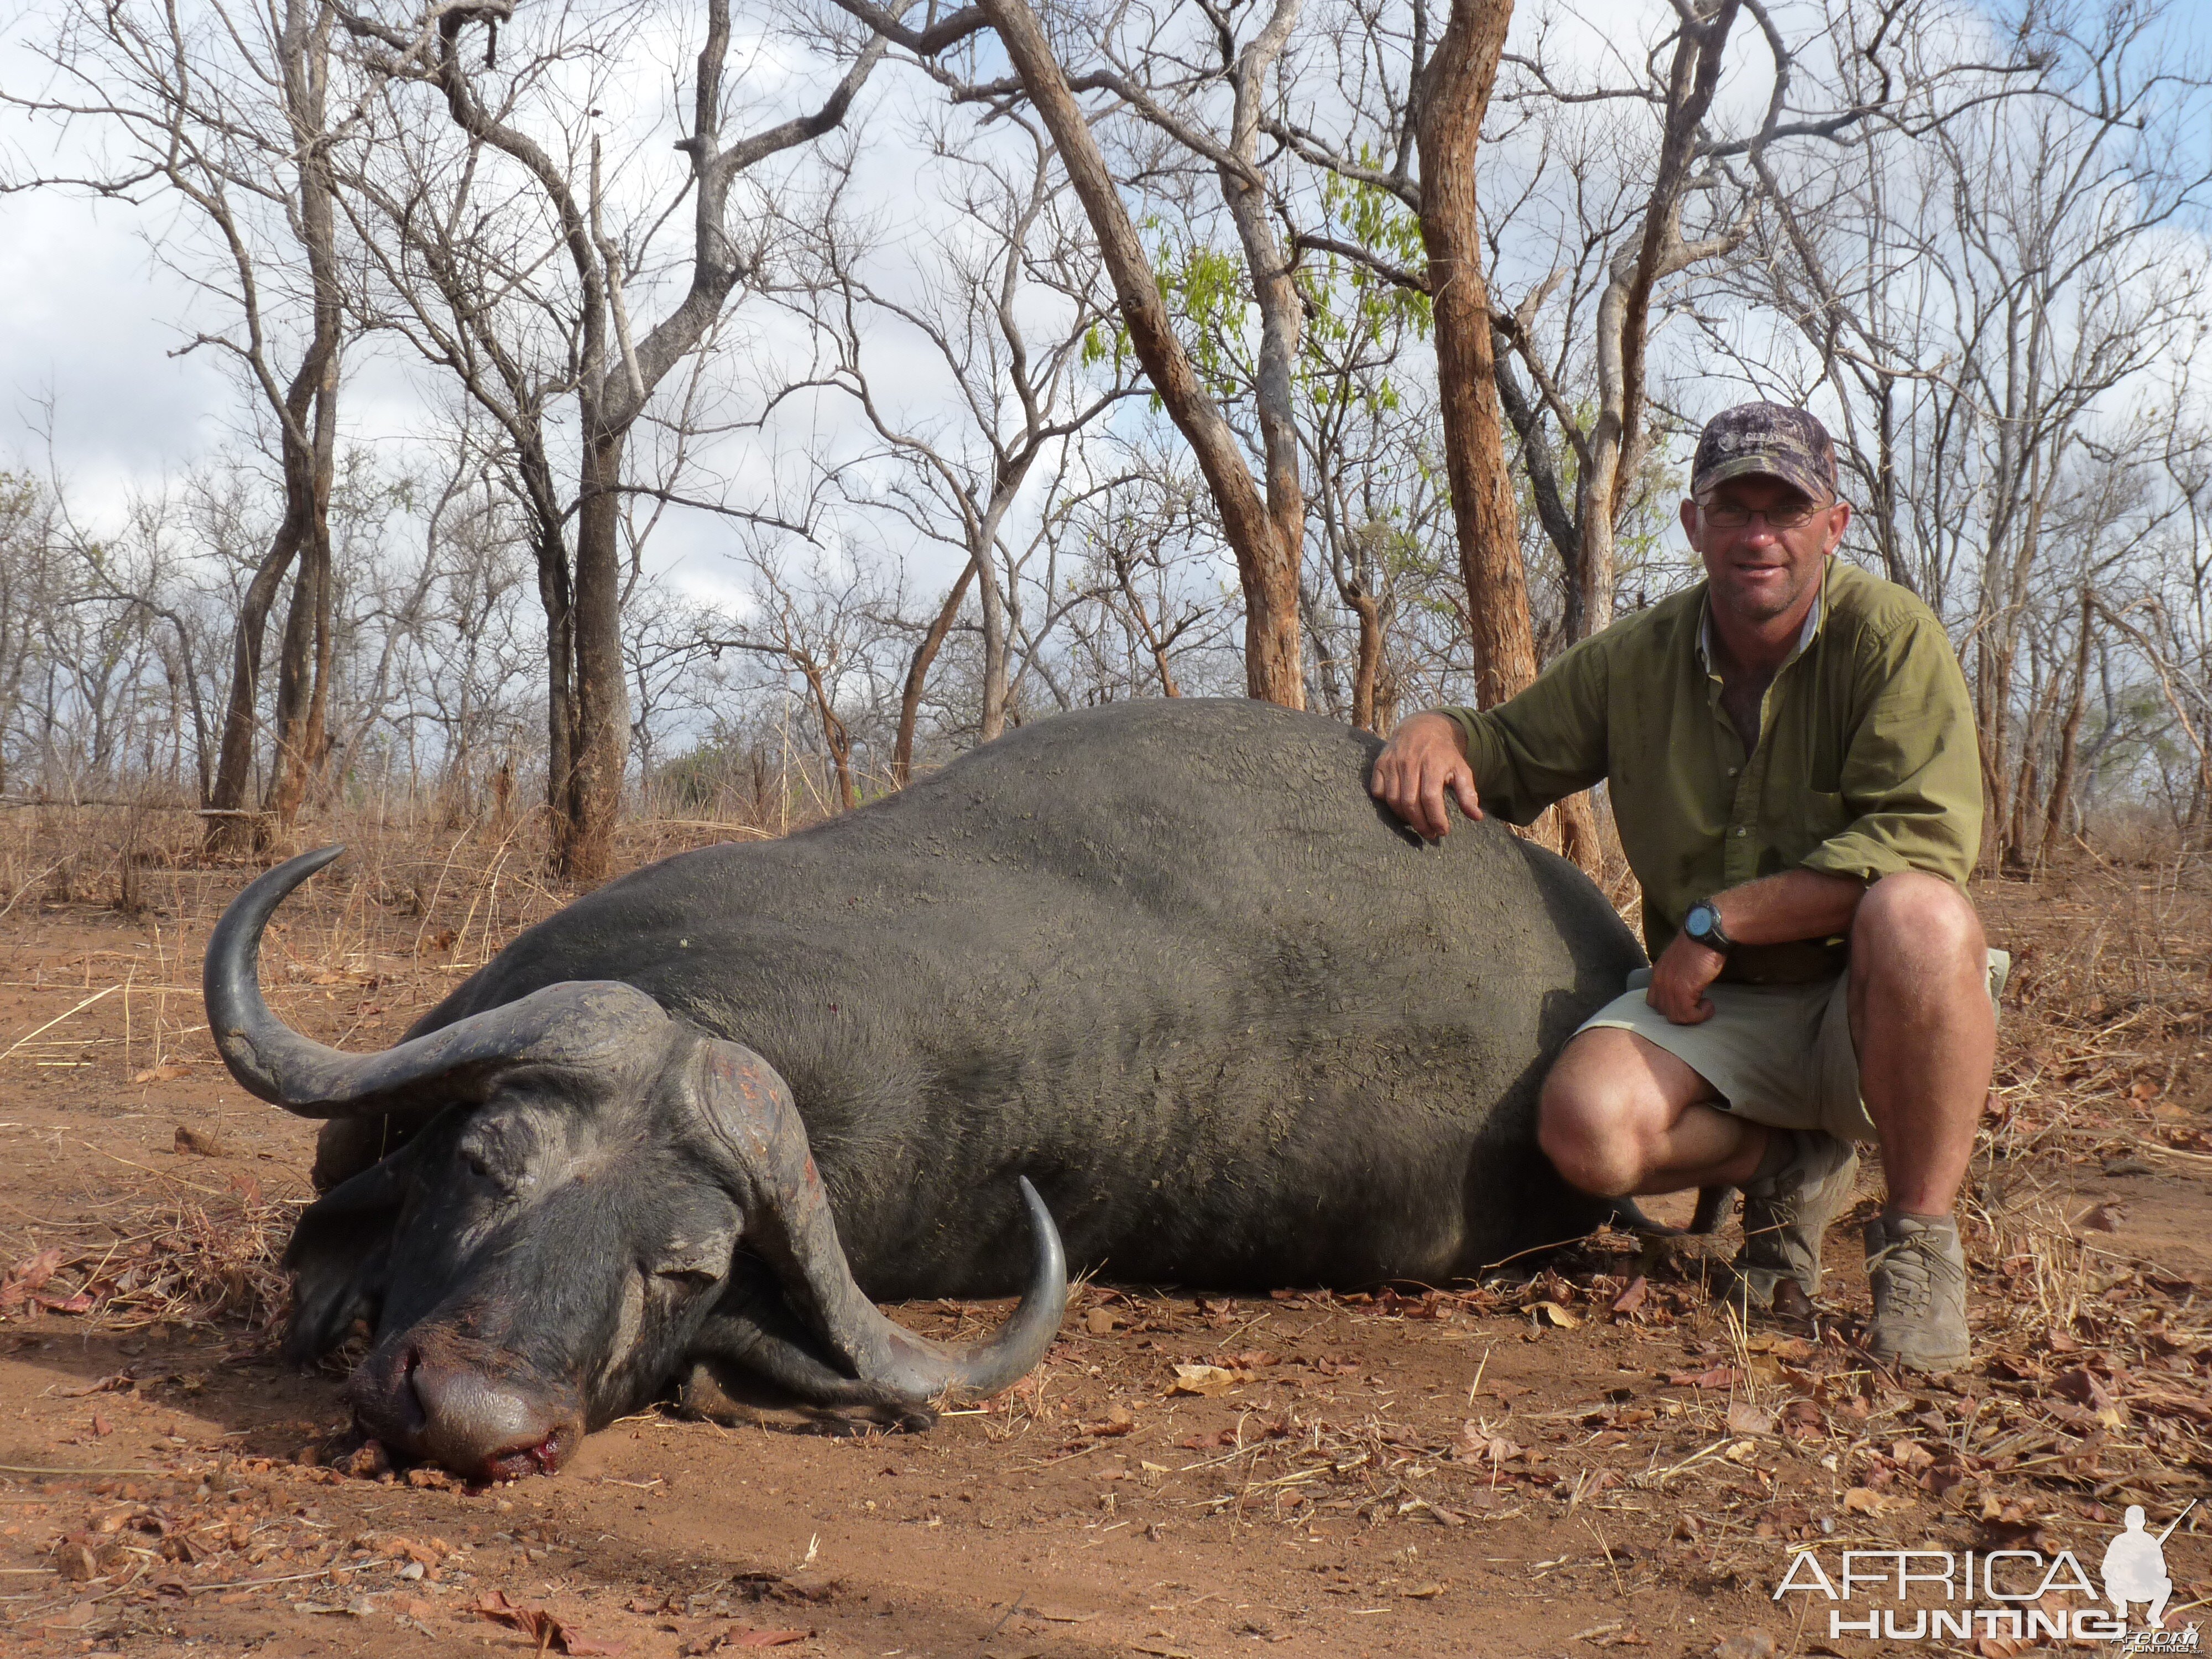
(433, 1395)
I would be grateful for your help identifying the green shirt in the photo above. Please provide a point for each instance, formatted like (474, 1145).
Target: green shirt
(1866, 762)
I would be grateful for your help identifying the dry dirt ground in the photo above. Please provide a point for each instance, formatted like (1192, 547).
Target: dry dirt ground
(1582, 1452)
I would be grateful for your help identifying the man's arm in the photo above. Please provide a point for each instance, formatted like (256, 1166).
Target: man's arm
(1793, 905)
(1533, 748)
(1424, 761)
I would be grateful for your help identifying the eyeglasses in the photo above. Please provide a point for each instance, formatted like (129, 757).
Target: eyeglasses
(1786, 518)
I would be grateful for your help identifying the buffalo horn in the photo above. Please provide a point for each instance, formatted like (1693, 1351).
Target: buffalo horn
(587, 1023)
(788, 1223)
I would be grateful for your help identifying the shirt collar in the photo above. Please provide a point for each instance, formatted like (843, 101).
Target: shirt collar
(1804, 635)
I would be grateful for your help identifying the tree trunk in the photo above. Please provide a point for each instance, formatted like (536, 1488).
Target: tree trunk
(601, 691)
(556, 594)
(2070, 736)
(230, 832)
(1454, 91)
(1367, 673)
(917, 675)
(1273, 663)
(303, 664)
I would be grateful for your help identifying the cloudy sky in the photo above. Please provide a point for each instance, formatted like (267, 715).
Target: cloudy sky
(91, 368)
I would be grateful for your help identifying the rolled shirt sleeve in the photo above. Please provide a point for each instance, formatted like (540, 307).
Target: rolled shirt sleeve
(1547, 743)
(1911, 768)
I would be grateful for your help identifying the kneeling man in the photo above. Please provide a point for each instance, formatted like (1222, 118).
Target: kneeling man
(1793, 768)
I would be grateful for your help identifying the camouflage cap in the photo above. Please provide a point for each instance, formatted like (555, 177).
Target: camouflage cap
(1770, 439)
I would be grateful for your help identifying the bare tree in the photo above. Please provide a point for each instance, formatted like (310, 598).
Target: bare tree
(1971, 280)
(1008, 302)
(611, 371)
(225, 110)
(1265, 530)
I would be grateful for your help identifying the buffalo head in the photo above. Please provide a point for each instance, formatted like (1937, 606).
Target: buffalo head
(601, 1195)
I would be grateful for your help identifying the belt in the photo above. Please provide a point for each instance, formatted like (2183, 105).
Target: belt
(1795, 962)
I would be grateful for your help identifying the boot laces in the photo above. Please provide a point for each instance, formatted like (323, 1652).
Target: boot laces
(1913, 1263)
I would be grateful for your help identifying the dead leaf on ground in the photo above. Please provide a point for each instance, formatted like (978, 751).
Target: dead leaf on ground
(198, 1143)
(1864, 1500)
(1744, 1644)
(1552, 1313)
(1720, 1376)
(2105, 1217)
(1633, 1297)
(167, 1072)
(1202, 1379)
(545, 1629)
(741, 1636)
(114, 1383)
(1744, 1418)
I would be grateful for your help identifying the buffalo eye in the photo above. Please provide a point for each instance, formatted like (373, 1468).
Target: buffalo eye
(491, 1171)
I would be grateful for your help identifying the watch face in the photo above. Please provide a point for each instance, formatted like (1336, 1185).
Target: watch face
(1699, 923)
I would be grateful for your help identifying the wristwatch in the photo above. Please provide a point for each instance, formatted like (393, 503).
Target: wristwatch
(1703, 925)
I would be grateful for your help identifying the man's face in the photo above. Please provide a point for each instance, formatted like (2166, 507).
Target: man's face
(1761, 569)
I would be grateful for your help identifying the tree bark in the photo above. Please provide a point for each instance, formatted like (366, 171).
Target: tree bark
(1455, 92)
(2070, 735)
(1267, 572)
(917, 675)
(601, 690)
(231, 830)
(303, 664)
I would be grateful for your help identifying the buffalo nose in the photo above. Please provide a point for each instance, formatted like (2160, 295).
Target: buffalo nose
(427, 1397)
(475, 1425)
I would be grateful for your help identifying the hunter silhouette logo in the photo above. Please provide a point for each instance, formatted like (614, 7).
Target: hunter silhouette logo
(2135, 1567)
(1934, 1595)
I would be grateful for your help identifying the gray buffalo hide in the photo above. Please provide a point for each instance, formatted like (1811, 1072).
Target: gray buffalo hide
(1167, 959)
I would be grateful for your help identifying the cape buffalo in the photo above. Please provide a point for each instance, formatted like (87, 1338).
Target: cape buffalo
(1160, 973)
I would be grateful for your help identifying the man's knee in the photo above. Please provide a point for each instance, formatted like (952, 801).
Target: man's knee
(1920, 920)
(1591, 1124)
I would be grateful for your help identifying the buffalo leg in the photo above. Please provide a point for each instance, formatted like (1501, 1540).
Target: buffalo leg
(754, 1352)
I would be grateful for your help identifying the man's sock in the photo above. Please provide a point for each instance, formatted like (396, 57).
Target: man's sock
(1781, 1147)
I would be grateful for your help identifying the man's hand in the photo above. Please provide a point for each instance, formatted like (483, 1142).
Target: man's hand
(1424, 761)
(1679, 979)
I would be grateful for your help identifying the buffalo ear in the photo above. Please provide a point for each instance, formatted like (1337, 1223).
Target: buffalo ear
(339, 1256)
(345, 1147)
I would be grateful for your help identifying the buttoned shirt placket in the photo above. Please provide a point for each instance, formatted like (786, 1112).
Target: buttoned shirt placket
(1739, 849)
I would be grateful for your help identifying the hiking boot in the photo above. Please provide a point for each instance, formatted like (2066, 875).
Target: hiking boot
(1919, 1274)
(1785, 1215)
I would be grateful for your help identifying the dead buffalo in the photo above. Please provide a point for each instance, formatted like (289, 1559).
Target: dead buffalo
(1160, 972)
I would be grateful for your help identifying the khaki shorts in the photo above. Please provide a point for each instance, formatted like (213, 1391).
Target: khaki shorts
(1777, 1055)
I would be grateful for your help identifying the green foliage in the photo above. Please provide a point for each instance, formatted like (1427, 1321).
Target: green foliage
(1354, 314)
